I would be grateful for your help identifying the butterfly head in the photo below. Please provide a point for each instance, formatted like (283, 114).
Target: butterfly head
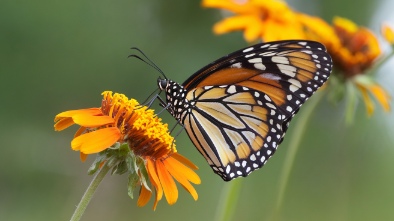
(162, 83)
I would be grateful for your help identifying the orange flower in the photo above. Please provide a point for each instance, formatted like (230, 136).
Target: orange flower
(354, 57)
(353, 49)
(317, 29)
(265, 19)
(358, 50)
(151, 148)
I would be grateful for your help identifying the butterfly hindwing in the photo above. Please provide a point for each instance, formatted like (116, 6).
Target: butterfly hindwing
(235, 128)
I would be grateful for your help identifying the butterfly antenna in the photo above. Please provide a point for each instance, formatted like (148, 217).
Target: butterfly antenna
(147, 61)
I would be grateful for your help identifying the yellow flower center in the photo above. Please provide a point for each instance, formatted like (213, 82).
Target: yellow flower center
(139, 126)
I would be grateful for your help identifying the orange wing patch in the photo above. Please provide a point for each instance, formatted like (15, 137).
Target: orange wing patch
(270, 87)
(227, 76)
(307, 65)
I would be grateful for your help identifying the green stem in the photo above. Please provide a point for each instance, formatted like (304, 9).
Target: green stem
(294, 142)
(87, 196)
(228, 200)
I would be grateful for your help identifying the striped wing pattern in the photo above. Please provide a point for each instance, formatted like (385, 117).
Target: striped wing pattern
(236, 110)
(241, 123)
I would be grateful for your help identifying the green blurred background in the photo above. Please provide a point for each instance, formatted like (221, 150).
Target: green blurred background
(60, 55)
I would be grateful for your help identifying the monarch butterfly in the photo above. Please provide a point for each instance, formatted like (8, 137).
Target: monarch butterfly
(237, 109)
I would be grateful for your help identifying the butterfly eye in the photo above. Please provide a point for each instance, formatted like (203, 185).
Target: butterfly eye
(162, 83)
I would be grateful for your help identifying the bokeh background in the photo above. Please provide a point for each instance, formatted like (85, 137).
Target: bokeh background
(60, 55)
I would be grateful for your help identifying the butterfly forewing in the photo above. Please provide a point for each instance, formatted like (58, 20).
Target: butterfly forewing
(236, 110)
(287, 71)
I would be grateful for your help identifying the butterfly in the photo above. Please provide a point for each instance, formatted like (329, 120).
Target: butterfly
(236, 110)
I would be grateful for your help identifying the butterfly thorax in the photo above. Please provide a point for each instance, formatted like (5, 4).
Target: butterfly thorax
(177, 103)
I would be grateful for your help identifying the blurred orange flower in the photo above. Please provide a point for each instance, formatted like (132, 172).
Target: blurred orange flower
(258, 19)
(354, 49)
(358, 50)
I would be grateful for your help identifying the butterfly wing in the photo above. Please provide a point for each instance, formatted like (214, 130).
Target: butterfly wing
(244, 101)
(289, 72)
(235, 128)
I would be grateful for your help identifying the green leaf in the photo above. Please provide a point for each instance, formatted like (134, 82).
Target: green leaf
(132, 184)
(121, 167)
(130, 161)
(114, 169)
(144, 177)
(111, 161)
(124, 149)
(96, 164)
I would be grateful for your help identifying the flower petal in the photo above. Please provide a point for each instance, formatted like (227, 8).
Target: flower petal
(234, 23)
(150, 166)
(367, 100)
(64, 123)
(144, 197)
(184, 160)
(67, 118)
(96, 141)
(172, 167)
(92, 121)
(167, 182)
(186, 172)
(345, 24)
(235, 7)
(80, 131)
(90, 111)
(82, 156)
(381, 95)
(253, 31)
(388, 33)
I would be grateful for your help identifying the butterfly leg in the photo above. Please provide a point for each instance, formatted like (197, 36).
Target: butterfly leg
(151, 98)
(176, 135)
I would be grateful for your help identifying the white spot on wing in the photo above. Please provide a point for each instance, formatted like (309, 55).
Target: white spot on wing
(295, 85)
(280, 60)
(247, 49)
(236, 65)
(265, 45)
(255, 60)
(249, 55)
(268, 54)
(271, 76)
(231, 89)
(270, 105)
(228, 169)
(259, 66)
(287, 69)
